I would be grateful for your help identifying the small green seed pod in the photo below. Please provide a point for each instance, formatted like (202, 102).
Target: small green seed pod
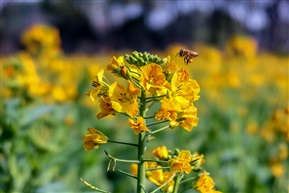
(163, 62)
(133, 59)
(150, 58)
(145, 57)
(135, 54)
(154, 59)
(142, 61)
(177, 151)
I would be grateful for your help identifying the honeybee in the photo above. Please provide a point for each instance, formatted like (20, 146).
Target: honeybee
(188, 55)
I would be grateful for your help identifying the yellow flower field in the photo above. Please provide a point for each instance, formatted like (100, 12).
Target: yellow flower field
(240, 120)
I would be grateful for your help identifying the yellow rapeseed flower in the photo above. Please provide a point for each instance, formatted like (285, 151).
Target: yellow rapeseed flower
(182, 162)
(115, 63)
(124, 99)
(97, 83)
(161, 152)
(152, 77)
(138, 126)
(42, 39)
(189, 118)
(183, 87)
(173, 110)
(205, 184)
(166, 111)
(277, 169)
(170, 67)
(133, 169)
(159, 177)
(93, 139)
(105, 107)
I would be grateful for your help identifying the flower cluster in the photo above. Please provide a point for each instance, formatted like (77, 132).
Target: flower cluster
(170, 164)
(205, 184)
(42, 39)
(164, 83)
(41, 71)
(151, 81)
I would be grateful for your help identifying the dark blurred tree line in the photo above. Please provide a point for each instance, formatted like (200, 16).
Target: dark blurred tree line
(90, 26)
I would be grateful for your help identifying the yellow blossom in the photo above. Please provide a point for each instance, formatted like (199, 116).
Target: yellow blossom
(115, 63)
(120, 67)
(98, 84)
(152, 77)
(277, 169)
(167, 111)
(93, 139)
(133, 169)
(161, 152)
(138, 126)
(205, 184)
(197, 159)
(42, 39)
(183, 88)
(182, 162)
(174, 111)
(241, 46)
(59, 93)
(105, 107)
(189, 117)
(124, 99)
(170, 67)
(159, 177)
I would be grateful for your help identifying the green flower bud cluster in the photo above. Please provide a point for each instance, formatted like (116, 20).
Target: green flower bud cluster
(141, 59)
(174, 154)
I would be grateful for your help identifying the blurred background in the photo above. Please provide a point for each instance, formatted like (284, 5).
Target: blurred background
(52, 50)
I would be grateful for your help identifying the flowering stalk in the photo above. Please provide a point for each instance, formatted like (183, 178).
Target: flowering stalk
(177, 182)
(123, 143)
(141, 147)
(150, 80)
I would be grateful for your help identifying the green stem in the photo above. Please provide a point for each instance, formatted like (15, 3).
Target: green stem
(158, 130)
(158, 161)
(160, 168)
(188, 179)
(121, 160)
(133, 72)
(150, 117)
(156, 97)
(156, 123)
(123, 143)
(177, 182)
(153, 102)
(125, 114)
(136, 84)
(141, 148)
(106, 84)
(127, 174)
